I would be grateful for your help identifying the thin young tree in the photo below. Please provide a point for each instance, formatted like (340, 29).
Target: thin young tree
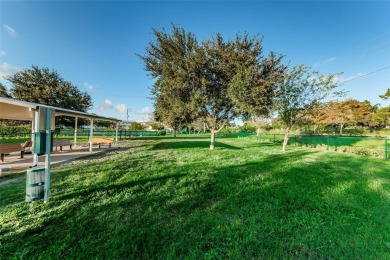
(300, 92)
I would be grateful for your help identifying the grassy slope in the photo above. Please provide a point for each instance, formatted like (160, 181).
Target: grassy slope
(175, 198)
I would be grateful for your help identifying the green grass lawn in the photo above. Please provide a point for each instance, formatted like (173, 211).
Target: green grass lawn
(173, 198)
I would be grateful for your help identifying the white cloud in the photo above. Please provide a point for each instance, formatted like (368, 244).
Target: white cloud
(2, 53)
(332, 59)
(11, 32)
(145, 111)
(107, 104)
(7, 70)
(318, 64)
(121, 108)
(88, 86)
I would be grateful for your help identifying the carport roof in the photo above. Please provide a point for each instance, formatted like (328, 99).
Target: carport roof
(22, 110)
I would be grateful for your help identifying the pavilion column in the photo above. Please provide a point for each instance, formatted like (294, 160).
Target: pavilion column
(75, 132)
(36, 129)
(91, 136)
(48, 115)
(116, 134)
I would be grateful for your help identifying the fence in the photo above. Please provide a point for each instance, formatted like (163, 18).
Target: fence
(367, 146)
(68, 133)
(123, 134)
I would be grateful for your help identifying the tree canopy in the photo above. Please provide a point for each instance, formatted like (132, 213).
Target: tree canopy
(381, 118)
(3, 91)
(45, 86)
(171, 60)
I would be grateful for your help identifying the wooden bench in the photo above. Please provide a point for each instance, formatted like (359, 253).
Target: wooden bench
(27, 146)
(10, 148)
(101, 141)
(62, 142)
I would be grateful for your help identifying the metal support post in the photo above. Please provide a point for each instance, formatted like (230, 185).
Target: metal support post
(90, 136)
(47, 156)
(36, 129)
(75, 132)
(116, 134)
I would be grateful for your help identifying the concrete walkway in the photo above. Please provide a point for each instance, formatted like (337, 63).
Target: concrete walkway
(13, 163)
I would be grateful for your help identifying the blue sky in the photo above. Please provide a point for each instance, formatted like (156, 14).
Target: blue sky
(93, 43)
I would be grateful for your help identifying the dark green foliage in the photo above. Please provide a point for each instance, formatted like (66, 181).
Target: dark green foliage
(7, 131)
(247, 128)
(381, 117)
(170, 59)
(136, 126)
(386, 95)
(162, 133)
(157, 126)
(45, 86)
(4, 91)
(253, 87)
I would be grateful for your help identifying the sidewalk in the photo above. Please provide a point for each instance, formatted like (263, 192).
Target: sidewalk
(13, 163)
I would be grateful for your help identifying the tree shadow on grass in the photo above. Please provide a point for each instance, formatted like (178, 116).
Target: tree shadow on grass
(113, 188)
(192, 144)
(180, 137)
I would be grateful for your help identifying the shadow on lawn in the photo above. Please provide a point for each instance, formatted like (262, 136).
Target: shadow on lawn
(192, 144)
(113, 188)
(180, 137)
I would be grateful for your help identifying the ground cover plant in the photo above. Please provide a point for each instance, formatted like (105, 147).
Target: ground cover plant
(173, 198)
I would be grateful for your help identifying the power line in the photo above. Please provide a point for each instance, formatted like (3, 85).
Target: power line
(361, 76)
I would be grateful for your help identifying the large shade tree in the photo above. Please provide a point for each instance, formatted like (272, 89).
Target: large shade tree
(226, 61)
(45, 86)
(206, 80)
(172, 61)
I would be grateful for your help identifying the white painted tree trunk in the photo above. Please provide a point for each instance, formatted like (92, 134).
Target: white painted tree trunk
(212, 140)
(258, 131)
(285, 141)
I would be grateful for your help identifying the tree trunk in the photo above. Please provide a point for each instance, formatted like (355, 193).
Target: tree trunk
(258, 131)
(341, 128)
(285, 141)
(174, 132)
(212, 139)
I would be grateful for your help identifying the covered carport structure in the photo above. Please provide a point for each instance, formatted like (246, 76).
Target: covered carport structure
(42, 118)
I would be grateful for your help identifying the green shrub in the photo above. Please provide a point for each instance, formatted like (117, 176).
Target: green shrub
(12, 131)
(162, 132)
